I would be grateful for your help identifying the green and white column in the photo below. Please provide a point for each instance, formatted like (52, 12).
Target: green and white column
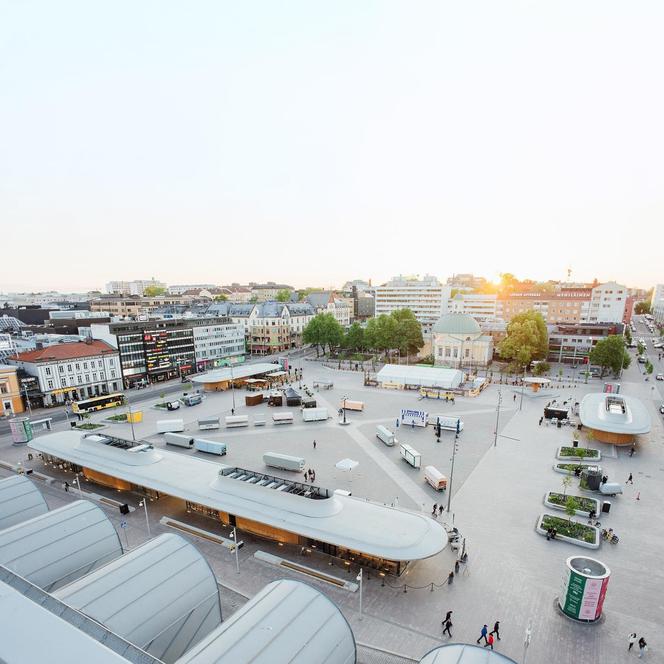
(584, 585)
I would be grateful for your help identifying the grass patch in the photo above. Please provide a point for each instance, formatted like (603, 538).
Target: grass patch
(571, 467)
(582, 503)
(580, 452)
(161, 404)
(89, 426)
(118, 418)
(572, 529)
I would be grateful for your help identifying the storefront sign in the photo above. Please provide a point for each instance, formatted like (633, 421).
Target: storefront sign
(585, 581)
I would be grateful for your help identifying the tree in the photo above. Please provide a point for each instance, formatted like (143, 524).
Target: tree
(641, 308)
(527, 339)
(253, 299)
(508, 282)
(407, 331)
(313, 334)
(610, 353)
(567, 483)
(153, 291)
(220, 298)
(640, 348)
(354, 338)
(323, 329)
(541, 368)
(284, 295)
(628, 335)
(649, 367)
(570, 507)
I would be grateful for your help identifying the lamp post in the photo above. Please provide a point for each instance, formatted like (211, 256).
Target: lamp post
(449, 489)
(236, 550)
(590, 347)
(78, 485)
(144, 505)
(232, 387)
(344, 409)
(360, 578)
(131, 421)
(495, 433)
(27, 400)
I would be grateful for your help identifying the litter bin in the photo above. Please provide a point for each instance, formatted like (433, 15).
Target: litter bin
(575, 443)
(606, 506)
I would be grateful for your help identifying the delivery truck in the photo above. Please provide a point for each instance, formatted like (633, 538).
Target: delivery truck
(209, 446)
(179, 439)
(283, 461)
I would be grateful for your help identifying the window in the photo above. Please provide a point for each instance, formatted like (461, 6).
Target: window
(69, 368)
(79, 379)
(47, 371)
(49, 384)
(63, 382)
(78, 367)
(85, 365)
(61, 368)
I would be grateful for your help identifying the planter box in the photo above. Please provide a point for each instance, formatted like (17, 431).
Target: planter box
(580, 512)
(573, 457)
(569, 472)
(572, 540)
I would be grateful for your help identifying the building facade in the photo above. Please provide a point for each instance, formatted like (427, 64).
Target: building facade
(72, 371)
(426, 298)
(657, 303)
(607, 303)
(326, 302)
(458, 342)
(480, 306)
(268, 292)
(11, 402)
(568, 305)
(135, 287)
(571, 344)
(135, 306)
(180, 289)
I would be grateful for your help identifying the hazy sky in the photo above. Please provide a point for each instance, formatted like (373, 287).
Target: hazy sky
(310, 142)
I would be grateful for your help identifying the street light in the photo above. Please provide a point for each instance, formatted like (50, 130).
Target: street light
(449, 488)
(78, 484)
(232, 387)
(236, 550)
(360, 578)
(144, 505)
(495, 433)
(131, 420)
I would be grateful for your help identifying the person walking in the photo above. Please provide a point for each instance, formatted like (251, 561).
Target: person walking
(66, 487)
(496, 629)
(643, 646)
(314, 444)
(632, 641)
(434, 510)
(489, 642)
(440, 508)
(631, 451)
(540, 420)
(450, 578)
(448, 615)
(629, 479)
(483, 634)
(448, 626)
(514, 398)
(456, 566)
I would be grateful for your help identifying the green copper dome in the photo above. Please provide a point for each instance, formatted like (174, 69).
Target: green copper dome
(457, 325)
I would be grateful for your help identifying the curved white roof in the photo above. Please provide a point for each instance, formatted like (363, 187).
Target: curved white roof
(237, 372)
(614, 413)
(60, 546)
(288, 622)
(161, 596)
(20, 500)
(416, 375)
(464, 653)
(371, 528)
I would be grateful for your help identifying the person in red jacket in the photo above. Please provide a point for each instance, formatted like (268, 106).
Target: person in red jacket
(489, 641)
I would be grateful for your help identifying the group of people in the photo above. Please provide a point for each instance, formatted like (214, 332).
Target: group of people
(436, 510)
(484, 633)
(643, 646)
(551, 533)
(310, 475)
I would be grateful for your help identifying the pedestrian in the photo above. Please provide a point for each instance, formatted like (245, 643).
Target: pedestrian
(483, 633)
(514, 398)
(448, 615)
(456, 566)
(643, 646)
(450, 578)
(397, 422)
(314, 444)
(440, 508)
(631, 451)
(396, 501)
(67, 487)
(412, 424)
(489, 642)
(629, 479)
(541, 420)
(313, 475)
(232, 411)
(632, 641)
(435, 509)
(448, 625)
(548, 534)
(496, 629)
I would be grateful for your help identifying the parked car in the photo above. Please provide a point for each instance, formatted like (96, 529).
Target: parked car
(642, 359)
(659, 377)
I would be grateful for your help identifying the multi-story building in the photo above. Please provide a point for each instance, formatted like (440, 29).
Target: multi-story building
(426, 298)
(135, 287)
(180, 289)
(607, 303)
(328, 302)
(270, 327)
(657, 303)
(480, 306)
(11, 402)
(134, 306)
(269, 291)
(571, 344)
(465, 282)
(72, 371)
(567, 305)
(158, 350)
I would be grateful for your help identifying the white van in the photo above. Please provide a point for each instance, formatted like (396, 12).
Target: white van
(435, 478)
(410, 455)
(179, 439)
(164, 426)
(387, 436)
(283, 461)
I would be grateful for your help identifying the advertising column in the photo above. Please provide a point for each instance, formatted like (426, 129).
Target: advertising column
(585, 581)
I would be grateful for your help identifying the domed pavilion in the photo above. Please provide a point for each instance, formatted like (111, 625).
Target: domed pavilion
(458, 341)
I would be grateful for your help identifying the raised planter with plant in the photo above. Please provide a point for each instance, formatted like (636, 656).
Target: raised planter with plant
(89, 426)
(584, 453)
(582, 505)
(569, 468)
(117, 418)
(569, 531)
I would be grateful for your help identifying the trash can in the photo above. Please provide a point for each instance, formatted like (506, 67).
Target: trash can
(606, 506)
(575, 443)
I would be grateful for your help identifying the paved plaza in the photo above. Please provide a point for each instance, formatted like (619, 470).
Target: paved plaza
(513, 574)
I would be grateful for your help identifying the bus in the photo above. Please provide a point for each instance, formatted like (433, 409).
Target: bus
(98, 403)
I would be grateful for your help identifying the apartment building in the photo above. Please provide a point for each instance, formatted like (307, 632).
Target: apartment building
(135, 287)
(478, 305)
(134, 306)
(607, 303)
(180, 289)
(568, 305)
(11, 402)
(72, 370)
(328, 302)
(571, 344)
(427, 298)
(269, 291)
(657, 303)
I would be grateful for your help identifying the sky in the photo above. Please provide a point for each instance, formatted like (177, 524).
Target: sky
(310, 143)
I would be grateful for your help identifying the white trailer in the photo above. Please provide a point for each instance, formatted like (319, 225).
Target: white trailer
(209, 446)
(314, 414)
(410, 455)
(208, 423)
(237, 421)
(282, 418)
(387, 436)
(446, 422)
(179, 439)
(284, 461)
(352, 405)
(435, 478)
(164, 426)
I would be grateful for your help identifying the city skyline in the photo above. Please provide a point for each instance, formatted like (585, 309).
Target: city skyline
(313, 144)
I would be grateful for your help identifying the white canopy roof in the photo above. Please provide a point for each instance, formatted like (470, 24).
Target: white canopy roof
(20, 500)
(464, 653)
(236, 372)
(614, 413)
(361, 525)
(288, 622)
(62, 545)
(162, 596)
(404, 374)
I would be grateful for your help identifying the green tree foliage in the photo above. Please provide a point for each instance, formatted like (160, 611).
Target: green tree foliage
(640, 348)
(221, 298)
(354, 338)
(284, 295)
(541, 368)
(567, 483)
(398, 330)
(153, 291)
(628, 335)
(641, 308)
(508, 282)
(649, 367)
(570, 507)
(322, 330)
(610, 353)
(527, 339)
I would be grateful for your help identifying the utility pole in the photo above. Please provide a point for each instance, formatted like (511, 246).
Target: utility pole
(449, 488)
(360, 578)
(144, 505)
(495, 433)
(27, 399)
(523, 382)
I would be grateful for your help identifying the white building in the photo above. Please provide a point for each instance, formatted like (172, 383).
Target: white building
(179, 289)
(326, 302)
(607, 304)
(216, 341)
(135, 287)
(75, 370)
(427, 298)
(657, 303)
(481, 306)
(458, 341)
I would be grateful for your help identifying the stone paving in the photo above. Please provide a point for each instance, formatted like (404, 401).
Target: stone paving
(513, 575)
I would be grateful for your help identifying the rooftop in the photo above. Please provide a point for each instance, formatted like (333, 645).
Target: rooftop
(457, 324)
(418, 375)
(235, 373)
(614, 413)
(69, 351)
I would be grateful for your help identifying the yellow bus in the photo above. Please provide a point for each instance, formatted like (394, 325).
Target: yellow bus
(98, 403)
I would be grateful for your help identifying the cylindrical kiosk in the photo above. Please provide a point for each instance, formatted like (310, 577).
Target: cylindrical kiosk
(21, 429)
(584, 587)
